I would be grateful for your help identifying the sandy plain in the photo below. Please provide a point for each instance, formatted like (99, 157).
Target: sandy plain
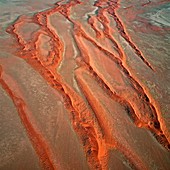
(85, 85)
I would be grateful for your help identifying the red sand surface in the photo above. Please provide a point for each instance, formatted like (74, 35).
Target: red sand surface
(84, 85)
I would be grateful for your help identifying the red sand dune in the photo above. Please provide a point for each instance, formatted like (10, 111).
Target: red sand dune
(88, 93)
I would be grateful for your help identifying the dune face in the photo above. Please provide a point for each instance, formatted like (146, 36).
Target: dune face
(85, 85)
